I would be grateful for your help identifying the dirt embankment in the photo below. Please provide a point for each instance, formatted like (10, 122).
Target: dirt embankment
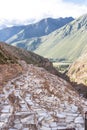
(9, 71)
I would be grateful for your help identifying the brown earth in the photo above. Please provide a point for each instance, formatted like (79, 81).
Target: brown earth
(12, 62)
(9, 71)
(78, 74)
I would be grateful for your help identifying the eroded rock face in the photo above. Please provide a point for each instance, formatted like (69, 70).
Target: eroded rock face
(38, 100)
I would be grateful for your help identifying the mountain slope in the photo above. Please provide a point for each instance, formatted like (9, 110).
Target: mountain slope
(78, 70)
(38, 29)
(66, 43)
(11, 62)
(5, 57)
(38, 100)
(9, 66)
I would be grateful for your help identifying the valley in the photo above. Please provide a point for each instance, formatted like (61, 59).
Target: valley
(66, 43)
(62, 66)
(43, 75)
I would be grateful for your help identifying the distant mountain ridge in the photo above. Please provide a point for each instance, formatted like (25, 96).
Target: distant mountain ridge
(66, 43)
(41, 28)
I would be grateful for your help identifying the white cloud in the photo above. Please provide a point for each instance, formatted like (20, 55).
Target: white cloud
(37, 9)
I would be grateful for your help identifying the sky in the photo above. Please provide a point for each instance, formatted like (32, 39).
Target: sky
(34, 10)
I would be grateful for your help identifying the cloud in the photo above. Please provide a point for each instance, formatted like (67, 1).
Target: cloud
(37, 9)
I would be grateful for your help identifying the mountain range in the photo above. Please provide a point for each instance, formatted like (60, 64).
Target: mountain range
(5, 23)
(41, 28)
(66, 43)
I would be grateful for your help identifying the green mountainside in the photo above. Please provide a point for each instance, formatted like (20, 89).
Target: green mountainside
(66, 43)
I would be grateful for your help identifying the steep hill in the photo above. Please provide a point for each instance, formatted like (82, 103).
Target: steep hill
(38, 29)
(66, 43)
(78, 70)
(29, 57)
(9, 66)
(11, 61)
(5, 57)
(38, 100)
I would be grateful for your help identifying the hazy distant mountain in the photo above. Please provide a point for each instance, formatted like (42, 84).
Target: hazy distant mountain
(38, 29)
(65, 43)
(5, 23)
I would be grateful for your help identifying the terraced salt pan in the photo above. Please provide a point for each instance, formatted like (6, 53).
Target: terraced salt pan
(39, 100)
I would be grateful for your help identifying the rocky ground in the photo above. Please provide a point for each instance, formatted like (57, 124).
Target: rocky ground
(38, 100)
(8, 72)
